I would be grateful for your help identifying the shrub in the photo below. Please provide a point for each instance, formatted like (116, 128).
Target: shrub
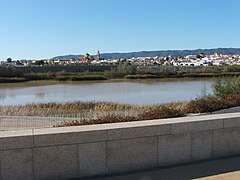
(206, 104)
(211, 103)
(226, 87)
(160, 113)
(233, 100)
(100, 120)
(155, 113)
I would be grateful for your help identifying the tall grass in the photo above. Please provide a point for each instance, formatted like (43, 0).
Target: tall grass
(48, 109)
(153, 113)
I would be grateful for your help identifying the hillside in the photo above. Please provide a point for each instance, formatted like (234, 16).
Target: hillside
(225, 51)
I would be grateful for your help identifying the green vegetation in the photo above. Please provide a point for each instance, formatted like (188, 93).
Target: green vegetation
(235, 68)
(211, 103)
(226, 87)
(7, 72)
(123, 70)
(226, 94)
(80, 78)
(141, 76)
(12, 80)
(155, 113)
(39, 63)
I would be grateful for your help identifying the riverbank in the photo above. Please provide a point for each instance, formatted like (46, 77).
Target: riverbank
(12, 80)
(76, 77)
(12, 75)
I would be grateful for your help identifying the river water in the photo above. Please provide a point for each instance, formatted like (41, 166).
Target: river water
(141, 92)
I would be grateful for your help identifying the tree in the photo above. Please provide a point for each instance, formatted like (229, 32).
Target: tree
(9, 60)
(201, 55)
(39, 63)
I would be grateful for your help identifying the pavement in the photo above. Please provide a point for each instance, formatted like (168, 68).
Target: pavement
(220, 169)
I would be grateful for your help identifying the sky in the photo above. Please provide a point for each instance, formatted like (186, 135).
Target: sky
(38, 29)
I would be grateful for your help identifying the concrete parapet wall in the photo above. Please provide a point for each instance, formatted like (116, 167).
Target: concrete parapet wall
(70, 152)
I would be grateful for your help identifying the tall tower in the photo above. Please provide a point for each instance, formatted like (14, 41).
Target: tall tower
(98, 57)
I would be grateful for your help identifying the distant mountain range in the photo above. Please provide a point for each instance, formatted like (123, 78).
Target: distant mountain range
(225, 51)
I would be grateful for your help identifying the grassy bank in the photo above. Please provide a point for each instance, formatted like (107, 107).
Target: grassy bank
(80, 78)
(12, 80)
(120, 72)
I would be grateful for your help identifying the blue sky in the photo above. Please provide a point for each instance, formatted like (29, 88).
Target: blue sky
(45, 28)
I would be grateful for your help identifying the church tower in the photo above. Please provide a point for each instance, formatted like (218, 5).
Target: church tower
(98, 57)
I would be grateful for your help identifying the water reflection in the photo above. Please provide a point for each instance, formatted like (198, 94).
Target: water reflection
(40, 95)
(2, 97)
(141, 92)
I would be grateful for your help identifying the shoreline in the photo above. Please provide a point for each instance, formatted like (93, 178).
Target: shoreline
(90, 78)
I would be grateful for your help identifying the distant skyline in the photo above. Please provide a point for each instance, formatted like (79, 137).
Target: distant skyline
(38, 29)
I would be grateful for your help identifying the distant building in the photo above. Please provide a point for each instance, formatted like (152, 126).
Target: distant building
(98, 57)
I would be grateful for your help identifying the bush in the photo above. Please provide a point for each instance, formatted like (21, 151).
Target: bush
(226, 94)
(206, 104)
(233, 100)
(226, 87)
(100, 120)
(151, 114)
(160, 113)
(210, 104)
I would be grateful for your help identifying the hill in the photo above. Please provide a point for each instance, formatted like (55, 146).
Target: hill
(225, 51)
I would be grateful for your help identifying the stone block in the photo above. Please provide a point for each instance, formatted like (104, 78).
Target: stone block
(226, 142)
(197, 126)
(16, 164)
(174, 149)
(202, 145)
(52, 137)
(232, 122)
(135, 132)
(16, 139)
(131, 154)
(92, 159)
(56, 162)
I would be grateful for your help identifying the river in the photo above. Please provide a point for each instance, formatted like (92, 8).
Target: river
(140, 92)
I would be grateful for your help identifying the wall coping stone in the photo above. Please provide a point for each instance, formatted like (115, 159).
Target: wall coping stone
(103, 132)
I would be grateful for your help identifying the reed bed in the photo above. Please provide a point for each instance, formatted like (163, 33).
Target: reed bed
(52, 109)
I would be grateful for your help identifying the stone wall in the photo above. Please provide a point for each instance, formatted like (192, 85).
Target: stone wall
(69, 152)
